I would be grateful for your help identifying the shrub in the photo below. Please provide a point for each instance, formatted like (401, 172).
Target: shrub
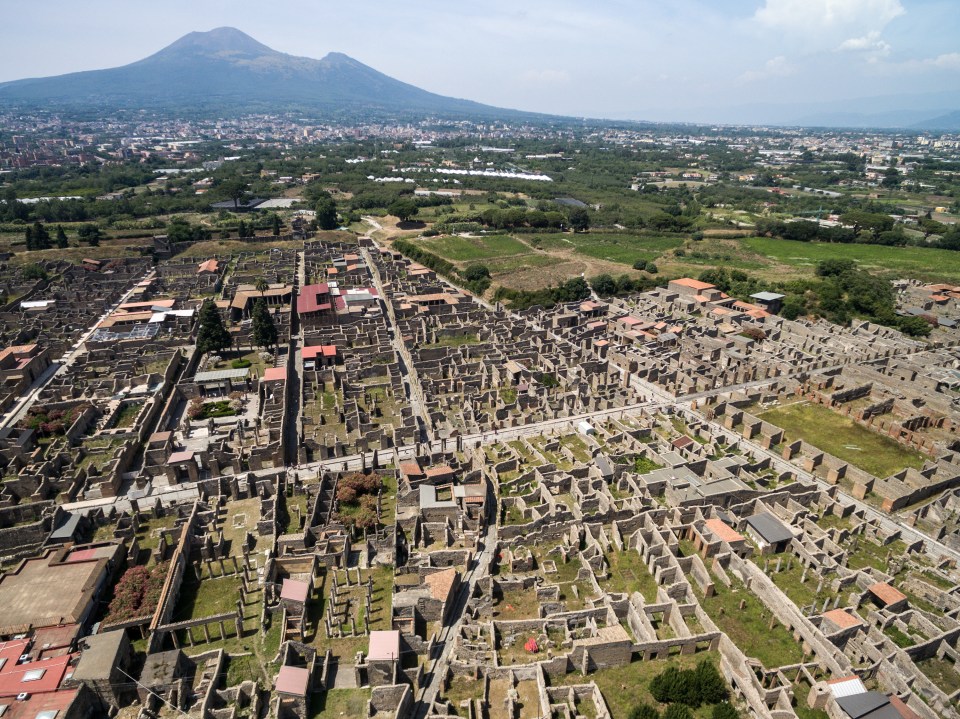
(240, 363)
(644, 711)
(724, 711)
(678, 711)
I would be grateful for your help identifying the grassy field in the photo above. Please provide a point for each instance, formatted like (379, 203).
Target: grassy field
(623, 688)
(919, 262)
(622, 248)
(746, 626)
(336, 703)
(843, 438)
(469, 249)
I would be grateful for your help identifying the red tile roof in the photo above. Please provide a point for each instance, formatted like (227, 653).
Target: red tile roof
(293, 681)
(384, 645)
(723, 531)
(295, 590)
(692, 283)
(885, 593)
(319, 350)
(313, 298)
(441, 583)
(275, 374)
(842, 618)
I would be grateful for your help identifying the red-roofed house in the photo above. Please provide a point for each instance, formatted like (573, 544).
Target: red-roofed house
(293, 681)
(841, 619)
(315, 305)
(888, 597)
(275, 374)
(320, 355)
(383, 658)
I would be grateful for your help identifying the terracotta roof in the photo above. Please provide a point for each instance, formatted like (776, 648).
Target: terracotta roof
(295, 590)
(293, 681)
(441, 583)
(309, 298)
(692, 283)
(319, 350)
(723, 531)
(384, 645)
(885, 593)
(842, 618)
(275, 374)
(208, 266)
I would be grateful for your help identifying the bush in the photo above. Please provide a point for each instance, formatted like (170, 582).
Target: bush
(651, 268)
(724, 711)
(240, 363)
(473, 273)
(644, 711)
(692, 687)
(678, 711)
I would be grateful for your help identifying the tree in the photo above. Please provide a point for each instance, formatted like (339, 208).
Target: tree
(604, 285)
(891, 178)
(793, 307)
(326, 210)
(724, 711)
(261, 285)
(579, 219)
(235, 189)
(678, 711)
(33, 271)
(38, 238)
(263, 331)
(212, 336)
(276, 225)
(61, 238)
(914, 326)
(834, 268)
(476, 272)
(90, 234)
(403, 209)
(644, 711)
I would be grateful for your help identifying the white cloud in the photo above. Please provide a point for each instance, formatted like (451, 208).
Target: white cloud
(869, 43)
(947, 61)
(810, 16)
(774, 67)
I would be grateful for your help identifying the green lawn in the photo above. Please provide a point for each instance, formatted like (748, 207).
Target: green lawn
(337, 703)
(843, 438)
(749, 627)
(624, 687)
(629, 574)
(469, 249)
(942, 673)
(920, 262)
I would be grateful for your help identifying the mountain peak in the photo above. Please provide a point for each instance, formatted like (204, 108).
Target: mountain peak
(219, 41)
(227, 69)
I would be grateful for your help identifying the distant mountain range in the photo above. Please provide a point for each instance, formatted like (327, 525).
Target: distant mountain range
(227, 69)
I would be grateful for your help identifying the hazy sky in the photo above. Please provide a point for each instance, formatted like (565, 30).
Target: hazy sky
(641, 59)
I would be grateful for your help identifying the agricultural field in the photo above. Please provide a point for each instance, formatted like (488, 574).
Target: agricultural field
(920, 262)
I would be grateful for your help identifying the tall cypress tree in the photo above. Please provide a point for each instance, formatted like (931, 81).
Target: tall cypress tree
(264, 331)
(212, 336)
(61, 237)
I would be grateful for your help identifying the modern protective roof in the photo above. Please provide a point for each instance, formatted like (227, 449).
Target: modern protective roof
(770, 529)
(293, 681)
(384, 645)
(221, 374)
